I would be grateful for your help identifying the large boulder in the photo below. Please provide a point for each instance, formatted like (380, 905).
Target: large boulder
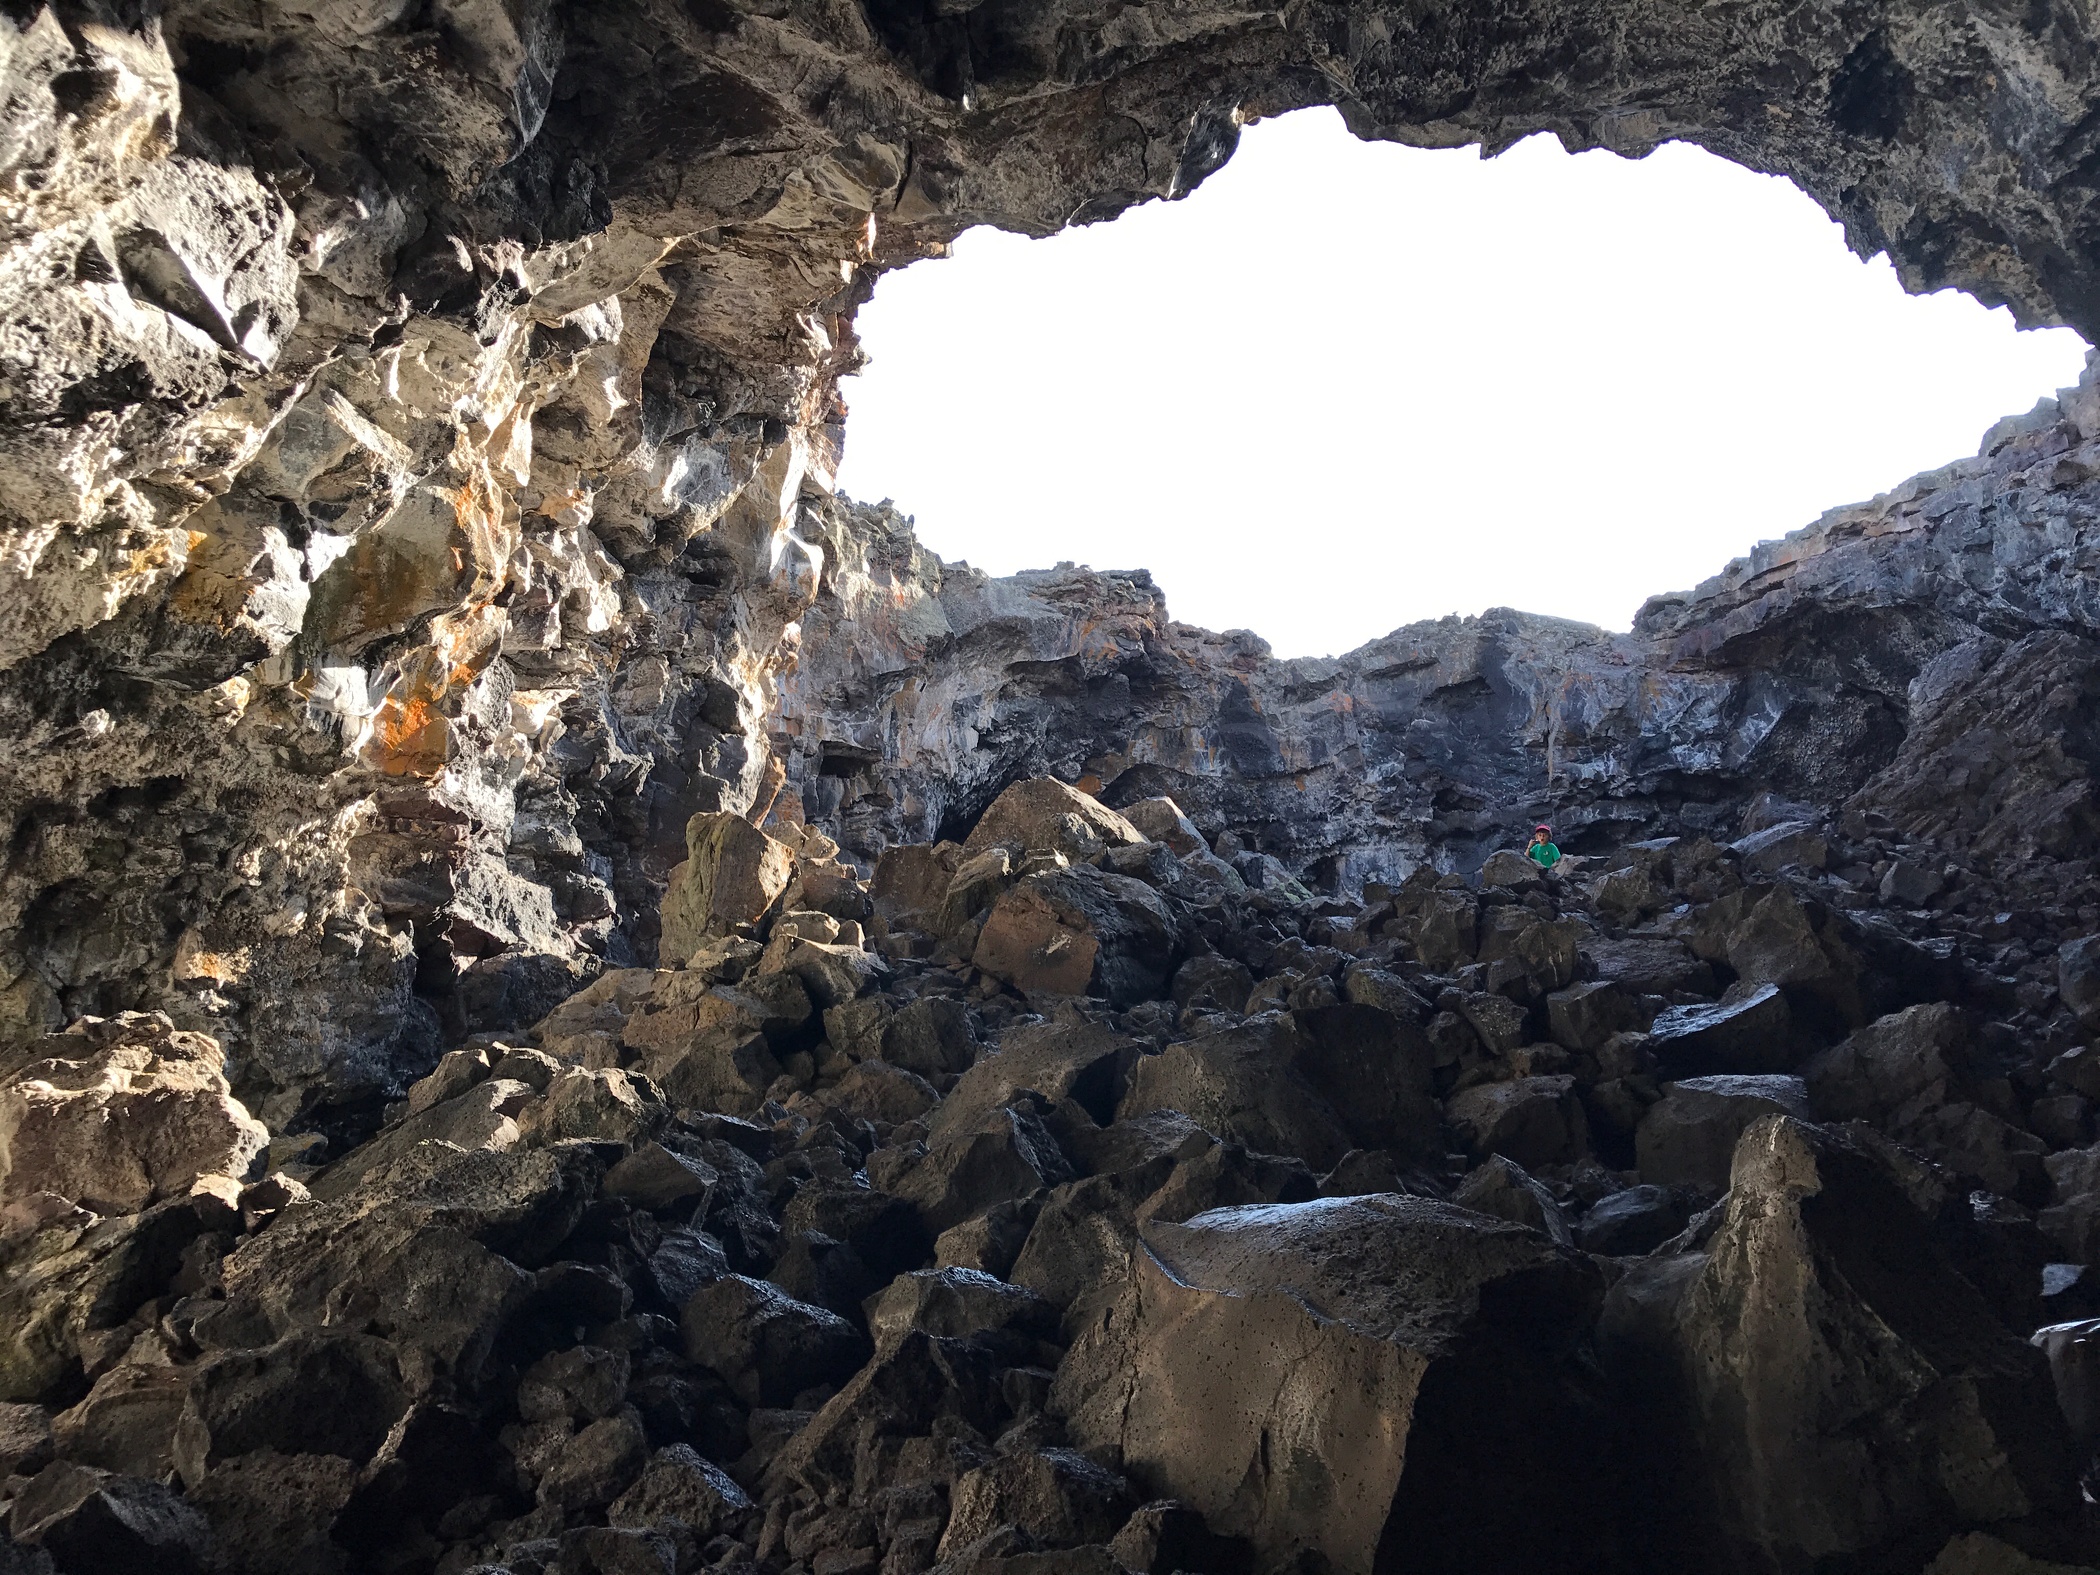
(1532, 1120)
(1043, 815)
(118, 1114)
(717, 1047)
(733, 874)
(1161, 820)
(1527, 957)
(1688, 1137)
(1363, 1379)
(910, 882)
(1819, 1388)
(1375, 1070)
(1244, 1084)
(1066, 1057)
(1768, 935)
(1909, 1073)
(1749, 1030)
(1077, 931)
(766, 1345)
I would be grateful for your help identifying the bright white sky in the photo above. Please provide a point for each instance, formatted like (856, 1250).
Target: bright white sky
(1345, 386)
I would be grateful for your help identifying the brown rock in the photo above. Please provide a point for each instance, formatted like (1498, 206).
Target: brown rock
(1307, 1376)
(1532, 1120)
(119, 1114)
(1077, 931)
(1244, 1084)
(1043, 815)
(733, 874)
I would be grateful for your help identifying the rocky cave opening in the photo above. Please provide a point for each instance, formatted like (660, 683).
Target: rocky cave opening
(572, 1000)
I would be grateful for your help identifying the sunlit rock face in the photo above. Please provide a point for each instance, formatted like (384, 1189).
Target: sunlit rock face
(1928, 656)
(416, 424)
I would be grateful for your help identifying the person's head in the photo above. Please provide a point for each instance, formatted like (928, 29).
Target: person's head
(1541, 833)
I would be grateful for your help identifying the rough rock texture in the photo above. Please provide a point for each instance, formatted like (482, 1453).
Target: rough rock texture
(416, 435)
(1304, 1253)
(417, 421)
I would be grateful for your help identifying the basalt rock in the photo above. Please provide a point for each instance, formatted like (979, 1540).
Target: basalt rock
(632, 930)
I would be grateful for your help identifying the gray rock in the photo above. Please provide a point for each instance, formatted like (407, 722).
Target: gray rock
(1637, 1220)
(1750, 1030)
(1303, 1331)
(1689, 1137)
(1508, 1191)
(766, 1345)
(1532, 1120)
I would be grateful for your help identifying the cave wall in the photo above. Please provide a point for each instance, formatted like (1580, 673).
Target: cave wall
(417, 416)
(1825, 665)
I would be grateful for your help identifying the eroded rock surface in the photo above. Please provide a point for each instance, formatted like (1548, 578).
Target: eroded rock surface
(1299, 1251)
(572, 1001)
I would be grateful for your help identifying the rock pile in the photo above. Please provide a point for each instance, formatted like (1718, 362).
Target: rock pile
(1056, 1203)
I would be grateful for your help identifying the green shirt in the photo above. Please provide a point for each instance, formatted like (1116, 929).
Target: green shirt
(1544, 854)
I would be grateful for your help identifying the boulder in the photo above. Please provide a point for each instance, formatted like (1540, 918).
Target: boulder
(1508, 1191)
(1056, 1497)
(1211, 983)
(126, 1423)
(1689, 1136)
(1637, 1220)
(1908, 1074)
(764, 1344)
(1166, 1535)
(718, 1047)
(602, 1106)
(579, 1384)
(1652, 965)
(1527, 957)
(1496, 1020)
(876, 1091)
(1067, 1057)
(1076, 931)
(1893, 1070)
(1334, 1376)
(1911, 883)
(910, 882)
(679, 1484)
(655, 1177)
(1791, 844)
(1508, 870)
(1768, 935)
(1749, 1030)
(1532, 1120)
(2078, 979)
(930, 1036)
(1438, 924)
(1585, 1016)
(962, 1304)
(1008, 1155)
(121, 1113)
(1375, 1070)
(1043, 815)
(112, 1525)
(1161, 820)
(1808, 1378)
(69, 1285)
(595, 1465)
(1244, 1084)
(831, 973)
(484, 1117)
(975, 886)
(988, 1242)
(733, 874)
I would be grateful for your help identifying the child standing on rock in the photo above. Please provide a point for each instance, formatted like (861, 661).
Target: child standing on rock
(1542, 852)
